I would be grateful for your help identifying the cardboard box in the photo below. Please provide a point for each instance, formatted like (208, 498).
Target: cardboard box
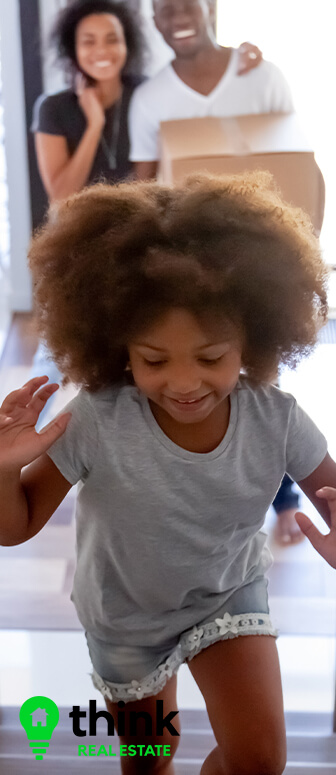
(272, 141)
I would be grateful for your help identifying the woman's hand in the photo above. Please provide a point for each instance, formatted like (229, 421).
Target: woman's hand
(19, 442)
(90, 103)
(250, 57)
(325, 545)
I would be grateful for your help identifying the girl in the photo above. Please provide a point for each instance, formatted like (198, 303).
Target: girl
(173, 309)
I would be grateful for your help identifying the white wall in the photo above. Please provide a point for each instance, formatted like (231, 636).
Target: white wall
(16, 154)
(299, 36)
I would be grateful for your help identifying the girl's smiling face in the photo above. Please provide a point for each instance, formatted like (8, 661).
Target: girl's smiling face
(185, 371)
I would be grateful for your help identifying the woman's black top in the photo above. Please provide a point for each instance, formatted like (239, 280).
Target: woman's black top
(61, 114)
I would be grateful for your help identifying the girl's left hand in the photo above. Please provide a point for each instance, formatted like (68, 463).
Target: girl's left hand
(250, 57)
(325, 545)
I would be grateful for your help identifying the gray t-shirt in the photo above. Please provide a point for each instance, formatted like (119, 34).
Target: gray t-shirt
(164, 535)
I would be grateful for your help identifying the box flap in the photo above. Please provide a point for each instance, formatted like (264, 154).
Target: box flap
(238, 136)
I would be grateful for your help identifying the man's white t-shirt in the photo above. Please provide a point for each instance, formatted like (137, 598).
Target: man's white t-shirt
(166, 97)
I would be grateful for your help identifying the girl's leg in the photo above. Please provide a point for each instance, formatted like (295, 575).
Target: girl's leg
(154, 765)
(240, 682)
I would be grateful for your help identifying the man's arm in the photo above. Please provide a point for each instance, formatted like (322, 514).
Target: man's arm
(145, 170)
(144, 134)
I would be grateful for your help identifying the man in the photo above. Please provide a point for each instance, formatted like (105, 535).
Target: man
(204, 79)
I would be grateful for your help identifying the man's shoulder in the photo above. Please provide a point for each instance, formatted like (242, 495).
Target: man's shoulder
(267, 71)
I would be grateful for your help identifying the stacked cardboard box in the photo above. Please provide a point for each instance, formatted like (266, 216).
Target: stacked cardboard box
(272, 141)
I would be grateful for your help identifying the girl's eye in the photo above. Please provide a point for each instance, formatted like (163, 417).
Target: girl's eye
(154, 363)
(210, 361)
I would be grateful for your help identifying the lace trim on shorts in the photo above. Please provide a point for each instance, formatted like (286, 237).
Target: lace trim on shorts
(191, 643)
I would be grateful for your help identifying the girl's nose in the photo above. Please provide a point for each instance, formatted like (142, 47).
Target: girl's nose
(184, 382)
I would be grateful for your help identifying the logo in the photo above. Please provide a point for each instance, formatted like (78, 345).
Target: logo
(39, 716)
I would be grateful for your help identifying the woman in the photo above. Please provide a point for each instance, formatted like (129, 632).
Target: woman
(81, 133)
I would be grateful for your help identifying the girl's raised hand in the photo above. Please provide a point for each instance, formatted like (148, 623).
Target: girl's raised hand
(325, 545)
(20, 444)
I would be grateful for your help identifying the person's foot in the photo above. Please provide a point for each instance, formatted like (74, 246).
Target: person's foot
(286, 529)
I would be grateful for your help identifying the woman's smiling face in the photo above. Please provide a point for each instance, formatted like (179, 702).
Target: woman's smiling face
(100, 45)
(181, 368)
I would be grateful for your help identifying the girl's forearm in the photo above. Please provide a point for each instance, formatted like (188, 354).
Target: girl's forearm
(73, 176)
(14, 514)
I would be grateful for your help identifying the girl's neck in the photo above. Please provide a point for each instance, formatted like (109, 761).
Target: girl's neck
(109, 92)
(198, 437)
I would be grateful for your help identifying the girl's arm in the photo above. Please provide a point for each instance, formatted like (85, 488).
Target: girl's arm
(62, 174)
(28, 498)
(320, 488)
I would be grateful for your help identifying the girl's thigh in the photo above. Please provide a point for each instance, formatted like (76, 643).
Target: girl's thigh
(157, 737)
(241, 684)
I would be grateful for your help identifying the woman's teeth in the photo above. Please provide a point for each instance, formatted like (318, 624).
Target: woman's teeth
(184, 34)
(102, 64)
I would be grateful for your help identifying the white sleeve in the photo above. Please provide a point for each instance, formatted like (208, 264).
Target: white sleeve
(143, 129)
(279, 94)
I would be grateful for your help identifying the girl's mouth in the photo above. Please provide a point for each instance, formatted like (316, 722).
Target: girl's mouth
(188, 404)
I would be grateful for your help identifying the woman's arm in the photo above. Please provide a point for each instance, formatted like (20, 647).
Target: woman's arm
(62, 174)
(250, 57)
(320, 488)
(28, 498)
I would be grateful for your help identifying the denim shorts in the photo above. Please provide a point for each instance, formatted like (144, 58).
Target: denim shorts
(133, 672)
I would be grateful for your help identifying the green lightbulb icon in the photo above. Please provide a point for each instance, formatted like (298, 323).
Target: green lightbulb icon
(39, 716)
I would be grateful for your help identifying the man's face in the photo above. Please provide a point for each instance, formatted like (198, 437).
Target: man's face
(186, 25)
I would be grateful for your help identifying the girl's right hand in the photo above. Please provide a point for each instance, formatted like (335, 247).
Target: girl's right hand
(20, 444)
(325, 545)
(89, 102)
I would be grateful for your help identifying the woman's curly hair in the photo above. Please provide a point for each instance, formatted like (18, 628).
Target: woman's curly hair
(111, 261)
